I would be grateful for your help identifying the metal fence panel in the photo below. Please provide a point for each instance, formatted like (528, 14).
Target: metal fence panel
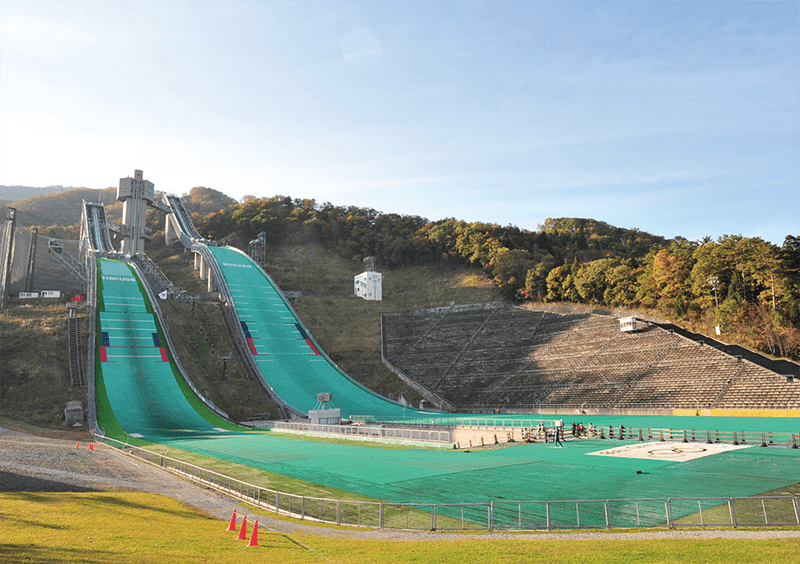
(519, 515)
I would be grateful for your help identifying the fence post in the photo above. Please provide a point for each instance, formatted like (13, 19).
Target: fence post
(338, 511)
(734, 438)
(708, 442)
(763, 440)
(491, 516)
(433, 518)
(277, 501)
(382, 517)
(608, 517)
(733, 513)
(668, 505)
(549, 520)
(796, 510)
(684, 437)
(303, 507)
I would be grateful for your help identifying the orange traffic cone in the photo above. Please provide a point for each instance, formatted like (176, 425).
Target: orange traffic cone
(243, 530)
(254, 536)
(78, 444)
(91, 446)
(232, 526)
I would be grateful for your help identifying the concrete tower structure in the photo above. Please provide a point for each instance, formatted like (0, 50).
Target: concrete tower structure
(135, 194)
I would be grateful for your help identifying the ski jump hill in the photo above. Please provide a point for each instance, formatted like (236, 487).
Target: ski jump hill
(140, 389)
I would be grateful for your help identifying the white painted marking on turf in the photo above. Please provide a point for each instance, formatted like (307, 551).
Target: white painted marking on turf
(136, 435)
(672, 451)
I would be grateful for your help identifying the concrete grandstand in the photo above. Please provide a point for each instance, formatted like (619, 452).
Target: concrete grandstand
(497, 356)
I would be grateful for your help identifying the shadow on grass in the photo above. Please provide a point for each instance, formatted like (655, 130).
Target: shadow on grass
(12, 482)
(38, 554)
(121, 502)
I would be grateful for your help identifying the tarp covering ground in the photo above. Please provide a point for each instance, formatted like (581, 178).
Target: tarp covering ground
(520, 473)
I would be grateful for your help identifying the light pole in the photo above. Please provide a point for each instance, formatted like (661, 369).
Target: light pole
(714, 281)
(225, 360)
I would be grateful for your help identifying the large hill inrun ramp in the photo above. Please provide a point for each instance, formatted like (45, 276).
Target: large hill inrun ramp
(291, 364)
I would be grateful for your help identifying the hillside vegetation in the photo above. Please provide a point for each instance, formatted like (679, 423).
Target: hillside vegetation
(349, 328)
(34, 368)
(747, 287)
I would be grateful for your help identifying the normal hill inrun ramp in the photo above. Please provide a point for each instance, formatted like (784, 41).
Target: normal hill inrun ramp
(138, 389)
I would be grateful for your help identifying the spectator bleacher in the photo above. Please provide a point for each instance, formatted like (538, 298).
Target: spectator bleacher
(502, 356)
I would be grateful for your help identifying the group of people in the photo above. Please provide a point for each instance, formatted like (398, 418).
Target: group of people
(555, 434)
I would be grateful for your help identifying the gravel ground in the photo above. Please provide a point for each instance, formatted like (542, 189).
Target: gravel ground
(34, 464)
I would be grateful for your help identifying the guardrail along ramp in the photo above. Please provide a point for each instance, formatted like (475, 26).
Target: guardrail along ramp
(140, 392)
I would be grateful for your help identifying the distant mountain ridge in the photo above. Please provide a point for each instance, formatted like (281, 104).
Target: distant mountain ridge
(16, 193)
(62, 207)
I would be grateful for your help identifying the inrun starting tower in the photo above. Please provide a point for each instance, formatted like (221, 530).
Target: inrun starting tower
(135, 193)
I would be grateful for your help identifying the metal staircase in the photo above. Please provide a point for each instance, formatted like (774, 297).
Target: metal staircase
(76, 370)
(72, 265)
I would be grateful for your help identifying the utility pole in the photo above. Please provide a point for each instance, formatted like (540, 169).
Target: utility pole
(714, 281)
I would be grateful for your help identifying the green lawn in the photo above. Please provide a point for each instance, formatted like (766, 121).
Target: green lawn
(137, 527)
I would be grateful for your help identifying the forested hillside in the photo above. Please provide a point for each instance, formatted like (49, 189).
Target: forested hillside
(59, 214)
(748, 287)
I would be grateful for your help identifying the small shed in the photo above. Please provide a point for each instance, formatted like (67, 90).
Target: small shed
(629, 324)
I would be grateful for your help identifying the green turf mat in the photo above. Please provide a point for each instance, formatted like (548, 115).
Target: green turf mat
(144, 394)
(520, 473)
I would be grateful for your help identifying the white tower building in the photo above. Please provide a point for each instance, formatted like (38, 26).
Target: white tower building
(368, 285)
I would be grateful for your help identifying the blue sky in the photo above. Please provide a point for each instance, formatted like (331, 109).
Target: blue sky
(679, 118)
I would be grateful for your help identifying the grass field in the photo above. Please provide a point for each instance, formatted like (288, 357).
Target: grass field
(135, 527)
